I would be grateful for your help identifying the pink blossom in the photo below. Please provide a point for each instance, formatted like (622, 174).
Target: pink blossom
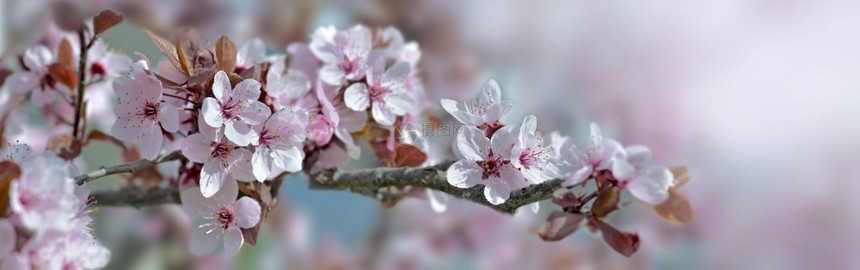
(600, 151)
(36, 79)
(42, 198)
(16, 152)
(571, 160)
(280, 143)
(532, 156)
(346, 121)
(104, 67)
(638, 174)
(385, 92)
(219, 216)
(222, 160)
(346, 54)
(250, 53)
(485, 110)
(141, 114)
(237, 109)
(485, 162)
(286, 84)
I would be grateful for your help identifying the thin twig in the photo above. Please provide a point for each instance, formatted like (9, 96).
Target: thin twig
(82, 72)
(127, 168)
(137, 197)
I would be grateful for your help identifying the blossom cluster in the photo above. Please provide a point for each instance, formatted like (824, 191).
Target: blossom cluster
(509, 157)
(47, 223)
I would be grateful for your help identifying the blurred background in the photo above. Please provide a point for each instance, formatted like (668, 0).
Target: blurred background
(759, 99)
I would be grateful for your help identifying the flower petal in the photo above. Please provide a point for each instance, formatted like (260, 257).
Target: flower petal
(248, 89)
(21, 82)
(289, 160)
(240, 133)
(169, 117)
(247, 212)
(233, 240)
(356, 97)
(150, 141)
(504, 140)
(203, 243)
(497, 193)
(221, 87)
(211, 112)
(653, 186)
(472, 143)
(382, 114)
(255, 113)
(262, 163)
(438, 200)
(464, 174)
(240, 165)
(211, 178)
(459, 112)
(196, 148)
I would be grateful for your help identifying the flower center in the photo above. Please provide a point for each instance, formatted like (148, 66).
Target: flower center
(377, 93)
(267, 137)
(48, 82)
(349, 66)
(98, 69)
(150, 110)
(224, 217)
(492, 166)
(222, 150)
(229, 109)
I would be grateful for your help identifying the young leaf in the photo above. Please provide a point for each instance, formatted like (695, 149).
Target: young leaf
(559, 225)
(64, 145)
(167, 48)
(564, 197)
(606, 202)
(65, 55)
(677, 209)
(624, 243)
(105, 20)
(408, 156)
(8, 171)
(225, 51)
(64, 74)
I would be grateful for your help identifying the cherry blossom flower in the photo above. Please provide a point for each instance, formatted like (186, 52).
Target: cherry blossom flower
(42, 198)
(385, 93)
(601, 152)
(571, 161)
(532, 156)
(486, 163)
(222, 160)
(638, 174)
(104, 64)
(483, 111)
(141, 114)
(345, 120)
(346, 54)
(219, 217)
(237, 109)
(36, 79)
(280, 143)
(285, 85)
(16, 152)
(250, 53)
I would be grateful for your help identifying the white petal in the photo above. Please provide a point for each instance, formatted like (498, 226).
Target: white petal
(459, 112)
(38, 57)
(504, 140)
(247, 212)
(255, 113)
(653, 186)
(497, 194)
(399, 102)
(251, 52)
(491, 92)
(248, 89)
(194, 203)
(356, 97)
(331, 74)
(382, 114)
(202, 243)
(221, 87)
(438, 200)
(622, 170)
(638, 155)
(240, 165)
(196, 148)
(169, 117)
(233, 240)
(240, 133)
(472, 143)
(211, 112)
(395, 75)
(289, 160)
(262, 163)
(211, 178)
(528, 129)
(464, 174)
(150, 141)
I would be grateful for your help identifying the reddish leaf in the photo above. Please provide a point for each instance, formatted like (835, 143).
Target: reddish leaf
(64, 145)
(184, 64)
(105, 20)
(677, 209)
(8, 171)
(682, 176)
(225, 51)
(195, 49)
(380, 149)
(4, 73)
(559, 225)
(168, 49)
(372, 133)
(624, 243)
(68, 15)
(564, 198)
(606, 202)
(408, 156)
(65, 55)
(64, 74)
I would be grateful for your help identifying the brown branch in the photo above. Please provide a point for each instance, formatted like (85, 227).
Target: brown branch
(431, 177)
(127, 168)
(137, 197)
(82, 71)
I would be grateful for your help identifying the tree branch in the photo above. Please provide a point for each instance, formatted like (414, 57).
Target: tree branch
(127, 168)
(431, 177)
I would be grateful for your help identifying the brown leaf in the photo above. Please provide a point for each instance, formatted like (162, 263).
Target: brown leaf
(168, 49)
(606, 202)
(564, 197)
(408, 156)
(64, 145)
(380, 149)
(64, 74)
(372, 133)
(682, 176)
(105, 20)
(195, 49)
(225, 51)
(8, 171)
(65, 55)
(185, 66)
(559, 225)
(676, 209)
(624, 243)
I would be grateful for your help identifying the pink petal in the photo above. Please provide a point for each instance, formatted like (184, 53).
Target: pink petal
(240, 165)
(194, 203)
(504, 140)
(202, 243)
(128, 128)
(211, 112)
(247, 212)
(22, 82)
(196, 148)
(211, 178)
(248, 89)
(395, 75)
(464, 174)
(221, 87)
(382, 114)
(251, 52)
(356, 97)
(240, 133)
(331, 74)
(227, 194)
(288, 159)
(472, 143)
(150, 141)
(169, 117)
(7, 238)
(399, 102)
(233, 240)
(262, 163)
(255, 113)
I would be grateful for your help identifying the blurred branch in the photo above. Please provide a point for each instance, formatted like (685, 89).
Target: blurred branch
(82, 71)
(433, 177)
(127, 168)
(137, 196)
